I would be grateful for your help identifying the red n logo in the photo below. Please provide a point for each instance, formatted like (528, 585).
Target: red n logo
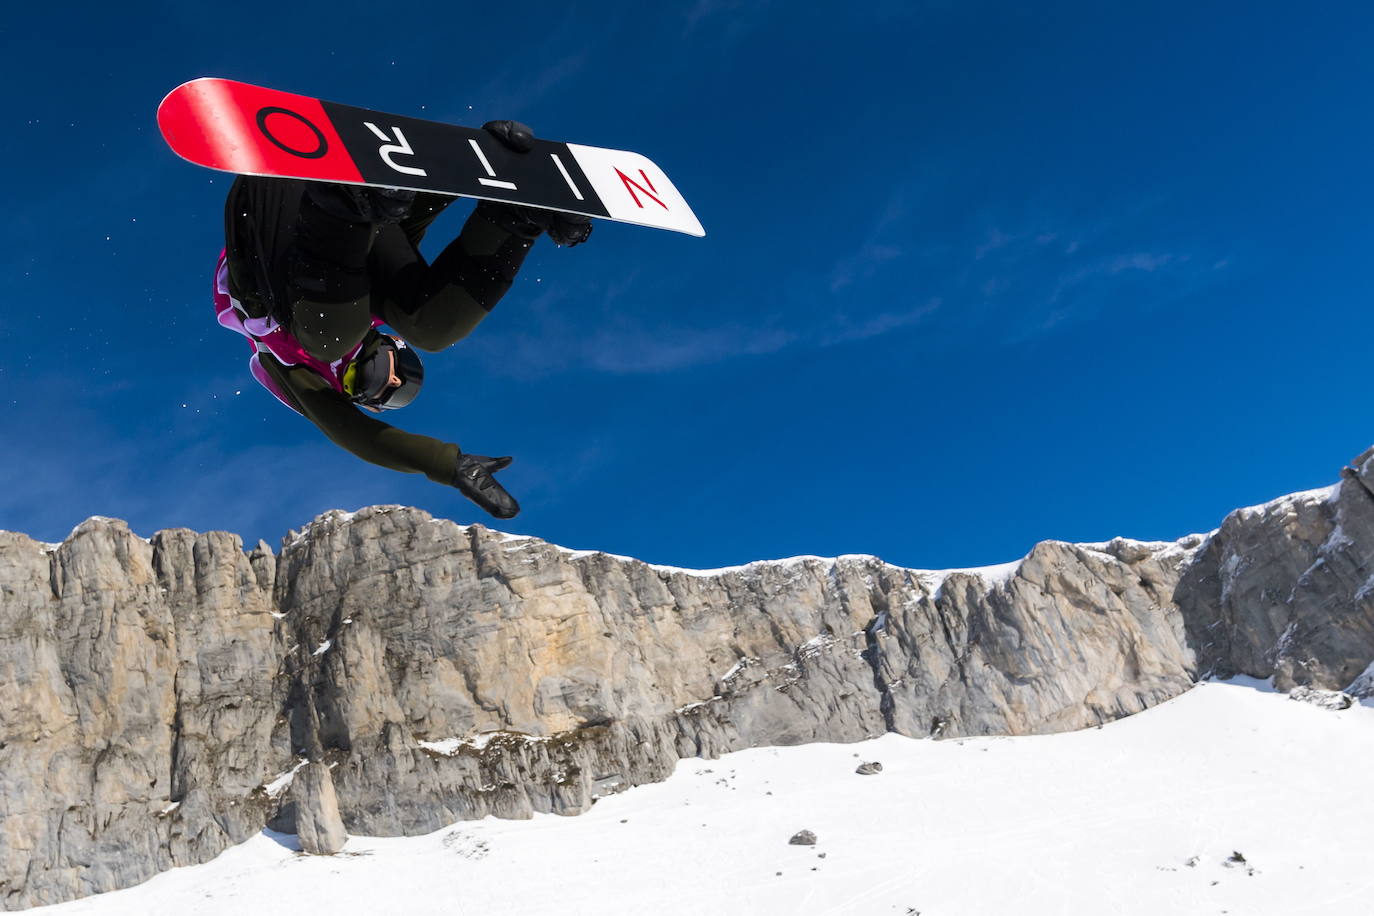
(650, 192)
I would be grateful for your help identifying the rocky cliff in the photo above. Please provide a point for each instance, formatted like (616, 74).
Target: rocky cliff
(158, 697)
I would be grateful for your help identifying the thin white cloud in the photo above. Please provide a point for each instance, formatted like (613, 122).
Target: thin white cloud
(1042, 271)
(882, 323)
(643, 350)
(1146, 262)
(518, 87)
(625, 347)
(863, 264)
(882, 245)
(734, 18)
(1005, 280)
(995, 240)
(515, 92)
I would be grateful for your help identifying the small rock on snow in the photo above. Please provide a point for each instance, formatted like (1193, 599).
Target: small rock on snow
(1326, 699)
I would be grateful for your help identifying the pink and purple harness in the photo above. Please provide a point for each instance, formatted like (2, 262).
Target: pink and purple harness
(265, 335)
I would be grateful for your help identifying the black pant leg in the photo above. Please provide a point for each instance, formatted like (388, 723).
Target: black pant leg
(328, 281)
(435, 305)
(424, 210)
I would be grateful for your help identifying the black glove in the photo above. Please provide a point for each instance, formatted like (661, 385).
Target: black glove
(512, 134)
(565, 229)
(472, 477)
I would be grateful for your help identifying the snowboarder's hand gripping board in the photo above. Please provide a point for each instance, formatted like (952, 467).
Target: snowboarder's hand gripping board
(237, 127)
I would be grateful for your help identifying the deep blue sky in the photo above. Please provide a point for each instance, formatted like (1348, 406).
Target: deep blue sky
(976, 274)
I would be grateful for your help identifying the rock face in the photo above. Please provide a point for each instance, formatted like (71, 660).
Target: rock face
(138, 694)
(158, 698)
(1287, 589)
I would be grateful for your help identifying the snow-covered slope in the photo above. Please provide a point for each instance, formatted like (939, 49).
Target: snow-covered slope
(1152, 814)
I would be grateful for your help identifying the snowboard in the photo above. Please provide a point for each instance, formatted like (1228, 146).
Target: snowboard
(251, 130)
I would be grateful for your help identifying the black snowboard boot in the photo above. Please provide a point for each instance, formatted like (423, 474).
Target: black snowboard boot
(565, 229)
(472, 477)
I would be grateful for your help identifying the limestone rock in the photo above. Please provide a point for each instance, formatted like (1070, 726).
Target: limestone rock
(1286, 589)
(318, 825)
(156, 695)
(1363, 686)
(1326, 699)
(136, 703)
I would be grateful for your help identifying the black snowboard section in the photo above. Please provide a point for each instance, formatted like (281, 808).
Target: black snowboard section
(450, 164)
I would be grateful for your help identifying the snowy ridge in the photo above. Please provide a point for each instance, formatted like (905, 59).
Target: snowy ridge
(572, 554)
(296, 536)
(99, 520)
(1164, 549)
(1319, 495)
(1249, 513)
(991, 576)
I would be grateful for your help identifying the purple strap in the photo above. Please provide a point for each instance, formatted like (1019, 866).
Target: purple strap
(265, 335)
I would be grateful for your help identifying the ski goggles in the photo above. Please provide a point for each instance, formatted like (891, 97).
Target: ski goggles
(386, 378)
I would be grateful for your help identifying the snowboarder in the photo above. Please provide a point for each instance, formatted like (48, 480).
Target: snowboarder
(311, 271)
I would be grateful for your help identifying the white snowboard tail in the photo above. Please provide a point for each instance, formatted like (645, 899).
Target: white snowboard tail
(635, 190)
